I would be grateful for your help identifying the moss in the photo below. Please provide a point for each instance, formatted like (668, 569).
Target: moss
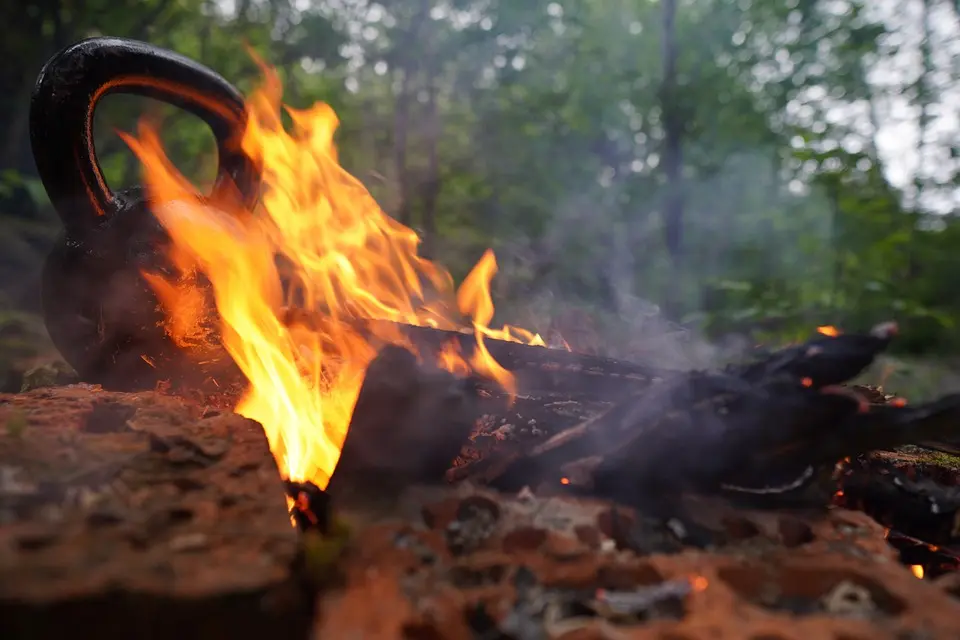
(51, 374)
(931, 458)
(322, 552)
(16, 425)
(943, 460)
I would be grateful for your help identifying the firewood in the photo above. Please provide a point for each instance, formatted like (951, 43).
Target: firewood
(409, 423)
(905, 496)
(763, 428)
(537, 369)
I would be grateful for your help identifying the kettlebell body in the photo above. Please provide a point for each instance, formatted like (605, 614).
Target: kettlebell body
(100, 312)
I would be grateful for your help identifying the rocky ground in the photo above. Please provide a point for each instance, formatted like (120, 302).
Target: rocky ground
(139, 515)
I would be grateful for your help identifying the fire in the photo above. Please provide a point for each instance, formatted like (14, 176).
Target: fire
(828, 330)
(344, 262)
(917, 570)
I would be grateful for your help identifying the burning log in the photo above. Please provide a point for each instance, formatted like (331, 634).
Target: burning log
(539, 371)
(409, 423)
(129, 516)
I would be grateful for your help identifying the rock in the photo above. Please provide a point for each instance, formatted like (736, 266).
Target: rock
(524, 539)
(127, 515)
(841, 580)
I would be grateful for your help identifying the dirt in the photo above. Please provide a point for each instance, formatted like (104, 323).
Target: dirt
(140, 515)
(129, 515)
(479, 565)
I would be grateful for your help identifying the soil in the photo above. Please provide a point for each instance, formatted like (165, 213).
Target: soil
(481, 565)
(140, 515)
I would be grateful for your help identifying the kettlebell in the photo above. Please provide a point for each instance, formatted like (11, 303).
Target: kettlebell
(100, 312)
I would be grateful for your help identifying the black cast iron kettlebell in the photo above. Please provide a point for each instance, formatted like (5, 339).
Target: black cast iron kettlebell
(99, 311)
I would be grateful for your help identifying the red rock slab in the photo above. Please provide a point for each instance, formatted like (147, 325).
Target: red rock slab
(130, 515)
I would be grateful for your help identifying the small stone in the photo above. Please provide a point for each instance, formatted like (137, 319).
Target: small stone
(476, 520)
(564, 548)
(849, 599)
(616, 525)
(526, 495)
(524, 539)
(794, 532)
(440, 514)
(588, 535)
(740, 528)
(189, 542)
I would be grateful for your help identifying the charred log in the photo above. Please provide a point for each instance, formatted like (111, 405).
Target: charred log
(409, 424)
(907, 498)
(765, 429)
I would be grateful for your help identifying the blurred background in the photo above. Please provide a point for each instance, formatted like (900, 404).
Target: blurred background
(738, 171)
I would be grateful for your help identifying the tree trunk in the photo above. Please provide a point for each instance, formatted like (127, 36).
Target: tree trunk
(401, 125)
(432, 184)
(672, 118)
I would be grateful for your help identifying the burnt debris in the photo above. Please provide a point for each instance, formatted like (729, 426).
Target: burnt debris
(311, 508)
(769, 431)
(920, 509)
(823, 361)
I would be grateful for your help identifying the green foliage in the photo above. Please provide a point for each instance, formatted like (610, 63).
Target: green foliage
(547, 120)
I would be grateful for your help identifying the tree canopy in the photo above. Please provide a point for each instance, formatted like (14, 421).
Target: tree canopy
(752, 168)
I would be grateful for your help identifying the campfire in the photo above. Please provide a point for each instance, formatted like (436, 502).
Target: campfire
(304, 332)
(305, 290)
(310, 311)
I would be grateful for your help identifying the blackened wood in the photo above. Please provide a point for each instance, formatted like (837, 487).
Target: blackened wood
(768, 425)
(127, 516)
(554, 371)
(409, 424)
(506, 432)
(914, 498)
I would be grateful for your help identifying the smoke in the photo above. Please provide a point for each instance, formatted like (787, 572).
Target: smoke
(550, 151)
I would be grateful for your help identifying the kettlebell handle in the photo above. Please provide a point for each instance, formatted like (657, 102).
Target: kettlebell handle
(67, 92)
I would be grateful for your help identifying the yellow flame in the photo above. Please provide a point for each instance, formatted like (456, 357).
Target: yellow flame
(346, 263)
(917, 570)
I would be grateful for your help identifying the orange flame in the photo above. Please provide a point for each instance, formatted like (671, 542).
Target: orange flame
(828, 330)
(347, 263)
(917, 570)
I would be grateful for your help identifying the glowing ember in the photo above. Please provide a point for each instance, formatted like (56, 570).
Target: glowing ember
(917, 570)
(346, 263)
(828, 330)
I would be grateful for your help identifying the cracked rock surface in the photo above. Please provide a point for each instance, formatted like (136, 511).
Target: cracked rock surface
(134, 515)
